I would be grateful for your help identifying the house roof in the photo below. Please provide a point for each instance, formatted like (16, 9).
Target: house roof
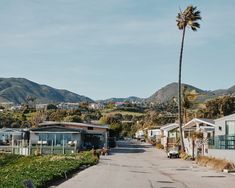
(232, 116)
(169, 127)
(194, 121)
(154, 130)
(46, 123)
(11, 130)
(54, 128)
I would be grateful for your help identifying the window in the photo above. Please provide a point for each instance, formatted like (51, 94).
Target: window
(90, 128)
(208, 135)
(220, 128)
(230, 127)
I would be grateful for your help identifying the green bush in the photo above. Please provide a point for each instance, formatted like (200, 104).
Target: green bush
(40, 169)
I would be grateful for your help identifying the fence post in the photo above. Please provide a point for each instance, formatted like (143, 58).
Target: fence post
(12, 144)
(63, 144)
(29, 144)
(52, 152)
(41, 148)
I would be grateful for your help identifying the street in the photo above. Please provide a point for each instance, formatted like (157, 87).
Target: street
(138, 165)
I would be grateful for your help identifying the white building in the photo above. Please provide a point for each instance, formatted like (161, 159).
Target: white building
(68, 106)
(154, 133)
(198, 126)
(169, 134)
(96, 106)
(223, 144)
(139, 134)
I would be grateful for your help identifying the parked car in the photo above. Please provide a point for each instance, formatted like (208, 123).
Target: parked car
(173, 152)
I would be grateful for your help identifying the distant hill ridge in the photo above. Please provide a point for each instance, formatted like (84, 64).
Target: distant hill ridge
(17, 90)
(131, 99)
(171, 90)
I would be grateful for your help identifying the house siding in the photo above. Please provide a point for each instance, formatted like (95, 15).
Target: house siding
(220, 124)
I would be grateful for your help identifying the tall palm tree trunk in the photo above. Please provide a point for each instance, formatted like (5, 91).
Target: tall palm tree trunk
(179, 92)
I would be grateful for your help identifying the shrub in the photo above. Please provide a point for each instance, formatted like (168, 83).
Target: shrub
(217, 164)
(185, 156)
(159, 146)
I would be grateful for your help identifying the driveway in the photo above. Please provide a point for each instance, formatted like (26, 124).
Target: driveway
(139, 165)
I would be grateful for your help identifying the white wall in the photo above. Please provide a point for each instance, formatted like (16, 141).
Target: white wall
(154, 132)
(221, 123)
(222, 154)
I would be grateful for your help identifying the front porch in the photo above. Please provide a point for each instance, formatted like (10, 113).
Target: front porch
(196, 133)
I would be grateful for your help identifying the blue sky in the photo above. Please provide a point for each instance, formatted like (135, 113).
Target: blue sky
(115, 48)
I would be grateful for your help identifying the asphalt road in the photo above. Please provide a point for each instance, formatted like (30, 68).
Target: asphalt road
(139, 165)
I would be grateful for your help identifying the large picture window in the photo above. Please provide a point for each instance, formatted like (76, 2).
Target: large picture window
(230, 127)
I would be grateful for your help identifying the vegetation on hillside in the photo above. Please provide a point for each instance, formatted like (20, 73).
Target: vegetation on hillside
(126, 119)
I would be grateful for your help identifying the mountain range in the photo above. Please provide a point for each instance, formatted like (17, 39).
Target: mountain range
(18, 90)
(169, 91)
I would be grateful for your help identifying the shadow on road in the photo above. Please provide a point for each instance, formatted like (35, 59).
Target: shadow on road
(126, 150)
(130, 147)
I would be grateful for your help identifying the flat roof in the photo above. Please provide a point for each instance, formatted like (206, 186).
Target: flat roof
(55, 129)
(74, 124)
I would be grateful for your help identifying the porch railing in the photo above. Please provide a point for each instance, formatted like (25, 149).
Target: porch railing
(222, 142)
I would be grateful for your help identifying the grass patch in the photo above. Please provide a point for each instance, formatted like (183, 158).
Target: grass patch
(217, 164)
(41, 170)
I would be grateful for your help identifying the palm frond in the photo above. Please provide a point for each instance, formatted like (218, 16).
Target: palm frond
(189, 17)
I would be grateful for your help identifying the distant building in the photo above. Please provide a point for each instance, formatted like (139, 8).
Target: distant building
(41, 106)
(139, 134)
(169, 135)
(154, 133)
(16, 107)
(120, 104)
(68, 106)
(96, 106)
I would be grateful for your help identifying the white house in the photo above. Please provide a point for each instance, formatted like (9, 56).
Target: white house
(191, 131)
(139, 134)
(169, 134)
(223, 143)
(154, 133)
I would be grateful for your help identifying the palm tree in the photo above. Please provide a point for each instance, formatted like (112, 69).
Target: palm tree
(188, 17)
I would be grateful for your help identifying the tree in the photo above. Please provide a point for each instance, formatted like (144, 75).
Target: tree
(218, 107)
(73, 118)
(37, 118)
(51, 107)
(188, 17)
(188, 100)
